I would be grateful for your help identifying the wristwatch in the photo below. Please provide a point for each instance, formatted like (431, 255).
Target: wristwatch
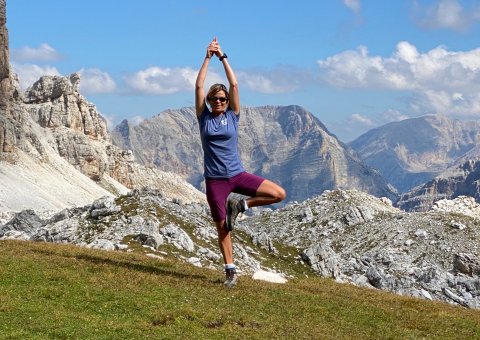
(223, 57)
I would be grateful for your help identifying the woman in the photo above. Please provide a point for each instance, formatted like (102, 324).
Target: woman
(223, 170)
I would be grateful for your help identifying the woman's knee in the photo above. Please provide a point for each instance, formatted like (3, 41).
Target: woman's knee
(272, 190)
(221, 229)
(280, 194)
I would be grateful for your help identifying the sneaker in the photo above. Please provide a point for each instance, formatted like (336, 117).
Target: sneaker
(231, 278)
(234, 207)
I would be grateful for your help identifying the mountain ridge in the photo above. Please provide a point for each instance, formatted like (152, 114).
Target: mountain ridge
(413, 151)
(286, 144)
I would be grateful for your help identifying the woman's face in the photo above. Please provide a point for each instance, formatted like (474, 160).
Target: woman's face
(218, 102)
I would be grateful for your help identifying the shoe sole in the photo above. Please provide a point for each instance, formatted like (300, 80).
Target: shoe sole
(228, 220)
(230, 284)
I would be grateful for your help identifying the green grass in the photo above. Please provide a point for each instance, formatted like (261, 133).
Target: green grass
(65, 292)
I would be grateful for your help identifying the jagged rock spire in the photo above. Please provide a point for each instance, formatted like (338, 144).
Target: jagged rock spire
(5, 81)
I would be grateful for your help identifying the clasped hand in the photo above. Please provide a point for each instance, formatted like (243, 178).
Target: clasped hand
(214, 49)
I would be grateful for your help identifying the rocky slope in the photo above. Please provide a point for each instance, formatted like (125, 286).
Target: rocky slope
(284, 143)
(147, 221)
(81, 137)
(349, 236)
(356, 238)
(413, 151)
(458, 180)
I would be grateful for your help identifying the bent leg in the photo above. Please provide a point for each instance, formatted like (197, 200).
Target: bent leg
(267, 193)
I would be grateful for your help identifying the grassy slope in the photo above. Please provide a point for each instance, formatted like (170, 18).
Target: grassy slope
(60, 291)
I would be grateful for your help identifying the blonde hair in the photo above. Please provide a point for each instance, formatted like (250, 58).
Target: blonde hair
(217, 88)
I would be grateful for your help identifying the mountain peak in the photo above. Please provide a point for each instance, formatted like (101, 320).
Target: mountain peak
(413, 151)
(286, 144)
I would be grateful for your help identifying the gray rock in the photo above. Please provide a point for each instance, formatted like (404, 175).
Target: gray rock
(15, 235)
(323, 260)
(307, 215)
(177, 237)
(208, 254)
(154, 241)
(263, 241)
(104, 206)
(466, 264)
(101, 244)
(26, 221)
(381, 246)
(421, 233)
(455, 297)
(195, 261)
(459, 226)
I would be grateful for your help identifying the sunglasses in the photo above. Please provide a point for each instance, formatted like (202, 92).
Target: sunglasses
(214, 99)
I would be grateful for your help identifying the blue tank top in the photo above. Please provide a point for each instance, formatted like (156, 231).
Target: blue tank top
(219, 137)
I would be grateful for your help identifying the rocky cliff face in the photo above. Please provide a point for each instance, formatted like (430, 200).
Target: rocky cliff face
(53, 123)
(80, 136)
(5, 81)
(8, 125)
(285, 144)
(54, 101)
(413, 151)
(79, 132)
(55, 149)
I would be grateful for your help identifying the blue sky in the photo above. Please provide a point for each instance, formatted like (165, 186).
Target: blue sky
(355, 64)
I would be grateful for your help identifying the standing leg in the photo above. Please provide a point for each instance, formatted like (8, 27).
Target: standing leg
(217, 193)
(226, 247)
(224, 242)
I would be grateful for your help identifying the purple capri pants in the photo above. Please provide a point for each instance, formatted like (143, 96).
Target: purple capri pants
(218, 189)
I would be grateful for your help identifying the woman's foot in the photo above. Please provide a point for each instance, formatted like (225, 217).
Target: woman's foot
(234, 207)
(231, 277)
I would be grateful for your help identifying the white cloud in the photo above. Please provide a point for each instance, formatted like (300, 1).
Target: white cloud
(458, 96)
(436, 77)
(93, 81)
(136, 120)
(42, 53)
(445, 14)
(432, 101)
(391, 115)
(357, 124)
(30, 73)
(363, 120)
(159, 81)
(261, 83)
(353, 5)
(283, 79)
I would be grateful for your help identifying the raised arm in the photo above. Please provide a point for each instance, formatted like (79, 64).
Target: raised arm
(199, 84)
(232, 79)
